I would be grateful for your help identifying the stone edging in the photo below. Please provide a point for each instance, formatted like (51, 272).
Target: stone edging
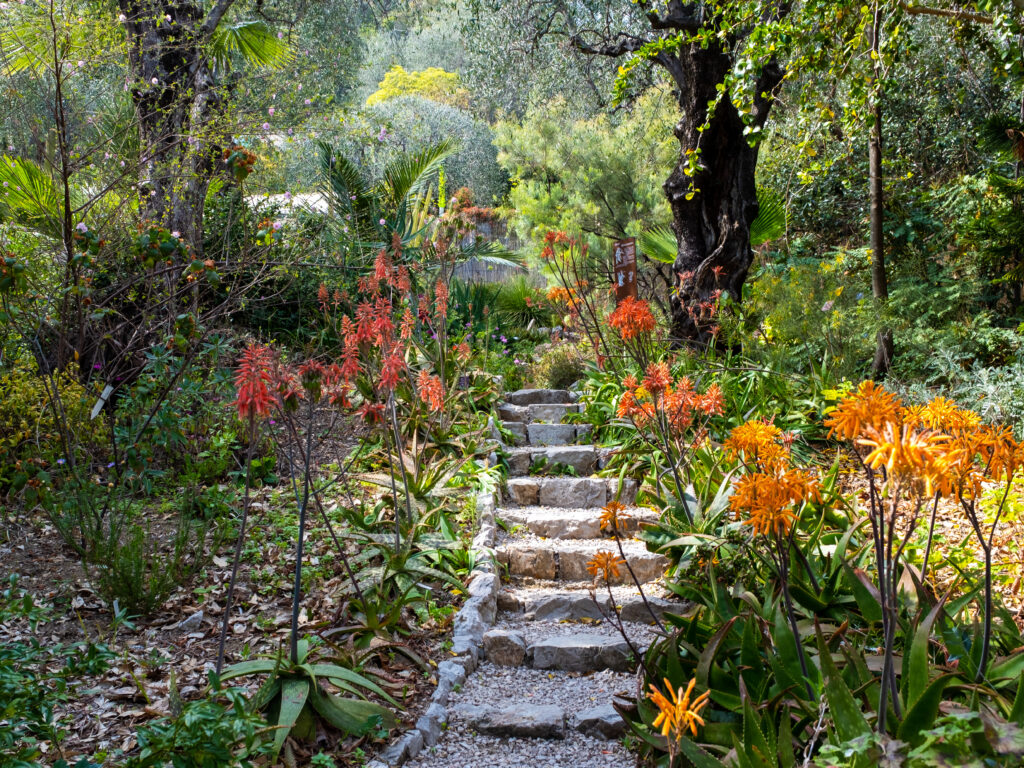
(476, 616)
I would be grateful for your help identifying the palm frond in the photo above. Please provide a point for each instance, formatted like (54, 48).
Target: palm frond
(489, 252)
(254, 41)
(406, 175)
(29, 197)
(659, 244)
(771, 220)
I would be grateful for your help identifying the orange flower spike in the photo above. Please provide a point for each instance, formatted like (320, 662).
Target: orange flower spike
(253, 381)
(631, 318)
(611, 516)
(431, 390)
(678, 713)
(605, 563)
(658, 377)
(870, 406)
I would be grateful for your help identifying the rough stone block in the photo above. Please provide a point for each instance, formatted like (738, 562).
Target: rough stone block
(551, 434)
(524, 491)
(504, 648)
(624, 493)
(634, 609)
(540, 721)
(537, 396)
(520, 413)
(561, 606)
(582, 653)
(569, 492)
(551, 413)
(519, 463)
(518, 430)
(582, 458)
(602, 722)
(535, 562)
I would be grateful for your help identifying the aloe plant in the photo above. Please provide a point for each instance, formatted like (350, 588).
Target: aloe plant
(292, 697)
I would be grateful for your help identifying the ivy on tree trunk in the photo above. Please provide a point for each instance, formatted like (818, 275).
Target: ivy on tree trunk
(176, 98)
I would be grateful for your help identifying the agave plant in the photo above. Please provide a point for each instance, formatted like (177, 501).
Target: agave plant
(292, 697)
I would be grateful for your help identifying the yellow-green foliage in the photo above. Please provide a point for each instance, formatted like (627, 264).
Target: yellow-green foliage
(432, 83)
(560, 366)
(28, 426)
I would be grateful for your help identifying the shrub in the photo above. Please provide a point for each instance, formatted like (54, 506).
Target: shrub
(28, 422)
(560, 367)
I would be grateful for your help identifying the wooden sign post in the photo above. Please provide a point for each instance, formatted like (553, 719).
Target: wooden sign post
(625, 269)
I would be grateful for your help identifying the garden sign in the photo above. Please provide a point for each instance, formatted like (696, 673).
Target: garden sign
(625, 268)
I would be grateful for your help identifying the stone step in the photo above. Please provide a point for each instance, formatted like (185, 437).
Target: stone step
(579, 652)
(553, 434)
(566, 559)
(572, 523)
(561, 604)
(518, 430)
(542, 412)
(582, 458)
(539, 397)
(540, 721)
(569, 492)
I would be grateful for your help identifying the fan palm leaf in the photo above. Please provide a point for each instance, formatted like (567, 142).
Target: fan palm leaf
(253, 41)
(29, 197)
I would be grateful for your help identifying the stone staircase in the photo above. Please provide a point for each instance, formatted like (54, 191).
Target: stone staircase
(542, 696)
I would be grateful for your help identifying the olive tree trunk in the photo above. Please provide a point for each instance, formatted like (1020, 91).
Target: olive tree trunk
(713, 194)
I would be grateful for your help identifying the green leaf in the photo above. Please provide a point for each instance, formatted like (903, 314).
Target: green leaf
(915, 663)
(755, 743)
(254, 41)
(866, 597)
(771, 220)
(698, 756)
(849, 721)
(294, 692)
(658, 244)
(707, 658)
(259, 666)
(353, 716)
(922, 713)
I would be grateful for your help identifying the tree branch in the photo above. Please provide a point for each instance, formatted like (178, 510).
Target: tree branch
(956, 15)
(215, 16)
(623, 44)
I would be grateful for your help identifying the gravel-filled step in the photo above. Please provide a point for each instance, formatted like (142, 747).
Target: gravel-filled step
(569, 523)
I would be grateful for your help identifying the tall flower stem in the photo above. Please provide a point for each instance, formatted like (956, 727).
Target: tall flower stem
(303, 503)
(238, 544)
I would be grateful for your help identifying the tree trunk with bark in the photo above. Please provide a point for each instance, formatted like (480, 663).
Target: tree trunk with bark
(176, 100)
(713, 206)
(876, 239)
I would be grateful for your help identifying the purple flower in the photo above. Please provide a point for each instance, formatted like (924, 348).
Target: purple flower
(60, 461)
(81, 227)
(110, 465)
(96, 366)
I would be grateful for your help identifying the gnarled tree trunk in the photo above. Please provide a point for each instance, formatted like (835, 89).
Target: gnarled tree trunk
(713, 208)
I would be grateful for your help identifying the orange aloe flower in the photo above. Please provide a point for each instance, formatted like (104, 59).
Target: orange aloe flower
(611, 514)
(678, 714)
(631, 318)
(871, 406)
(253, 381)
(606, 563)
